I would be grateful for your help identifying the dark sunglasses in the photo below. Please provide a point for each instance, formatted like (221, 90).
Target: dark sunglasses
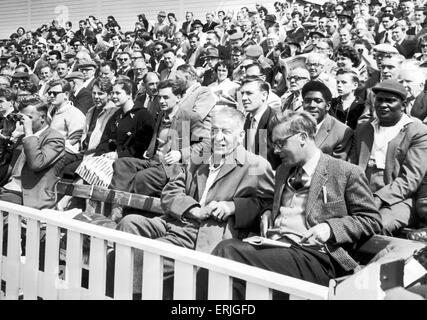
(53, 93)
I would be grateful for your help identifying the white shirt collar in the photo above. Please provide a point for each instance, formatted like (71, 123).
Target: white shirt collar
(310, 166)
(260, 112)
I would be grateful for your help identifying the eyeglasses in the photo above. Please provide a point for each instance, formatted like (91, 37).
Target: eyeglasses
(316, 65)
(296, 78)
(279, 143)
(423, 45)
(123, 59)
(53, 93)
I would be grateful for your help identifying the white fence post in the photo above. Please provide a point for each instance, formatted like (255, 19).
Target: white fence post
(13, 259)
(31, 267)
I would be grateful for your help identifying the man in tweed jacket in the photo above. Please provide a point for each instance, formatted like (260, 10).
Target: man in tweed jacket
(322, 218)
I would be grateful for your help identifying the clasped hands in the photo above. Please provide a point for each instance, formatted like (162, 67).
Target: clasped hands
(218, 210)
(316, 235)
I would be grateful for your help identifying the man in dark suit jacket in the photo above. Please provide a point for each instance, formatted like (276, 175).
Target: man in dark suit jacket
(84, 33)
(322, 207)
(148, 97)
(186, 26)
(332, 136)
(393, 151)
(38, 166)
(214, 198)
(83, 99)
(259, 117)
(210, 24)
(403, 43)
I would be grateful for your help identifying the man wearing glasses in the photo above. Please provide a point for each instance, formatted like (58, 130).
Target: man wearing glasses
(315, 64)
(125, 62)
(88, 69)
(292, 99)
(322, 207)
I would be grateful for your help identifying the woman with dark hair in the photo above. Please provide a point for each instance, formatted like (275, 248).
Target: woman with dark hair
(173, 26)
(21, 34)
(347, 57)
(111, 23)
(147, 25)
(223, 85)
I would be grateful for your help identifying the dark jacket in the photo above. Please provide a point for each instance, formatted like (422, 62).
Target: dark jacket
(127, 133)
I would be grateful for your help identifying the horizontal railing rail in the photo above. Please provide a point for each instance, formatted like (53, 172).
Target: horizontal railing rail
(21, 275)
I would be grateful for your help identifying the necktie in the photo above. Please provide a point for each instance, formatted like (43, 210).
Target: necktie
(252, 134)
(296, 181)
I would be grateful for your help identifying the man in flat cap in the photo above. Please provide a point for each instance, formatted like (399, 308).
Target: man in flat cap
(161, 24)
(80, 96)
(392, 150)
(88, 68)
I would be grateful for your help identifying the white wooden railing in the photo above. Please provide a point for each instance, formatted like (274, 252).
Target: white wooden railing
(23, 278)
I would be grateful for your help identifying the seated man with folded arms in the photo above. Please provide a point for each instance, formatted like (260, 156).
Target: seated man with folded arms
(322, 207)
(332, 136)
(392, 150)
(218, 199)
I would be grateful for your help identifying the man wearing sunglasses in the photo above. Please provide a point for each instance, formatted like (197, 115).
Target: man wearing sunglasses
(125, 63)
(88, 68)
(292, 99)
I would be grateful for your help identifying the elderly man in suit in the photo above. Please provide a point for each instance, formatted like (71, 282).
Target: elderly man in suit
(332, 136)
(147, 96)
(322, 207)
(392, 149)
(80, 96)
(218, 199)
(37, 167)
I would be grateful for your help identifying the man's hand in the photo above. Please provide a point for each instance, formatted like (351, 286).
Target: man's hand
(27, 124)
(173, 156)
(266, 223)
(221, 210)
(199, 214)
(317, 235)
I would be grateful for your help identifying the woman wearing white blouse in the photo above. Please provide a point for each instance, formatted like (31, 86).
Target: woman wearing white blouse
(223, 85)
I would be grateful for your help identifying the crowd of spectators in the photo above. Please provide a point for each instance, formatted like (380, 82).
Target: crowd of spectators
(160, 109)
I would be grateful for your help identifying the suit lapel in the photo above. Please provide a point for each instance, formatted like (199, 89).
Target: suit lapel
(366, 142)
(281, 178)
(263, 122)
(318, 180)
(202, 177)
(391, 154)
(323, 132)
(151, 147)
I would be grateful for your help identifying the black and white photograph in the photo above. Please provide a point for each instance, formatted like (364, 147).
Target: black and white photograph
(224, 158)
